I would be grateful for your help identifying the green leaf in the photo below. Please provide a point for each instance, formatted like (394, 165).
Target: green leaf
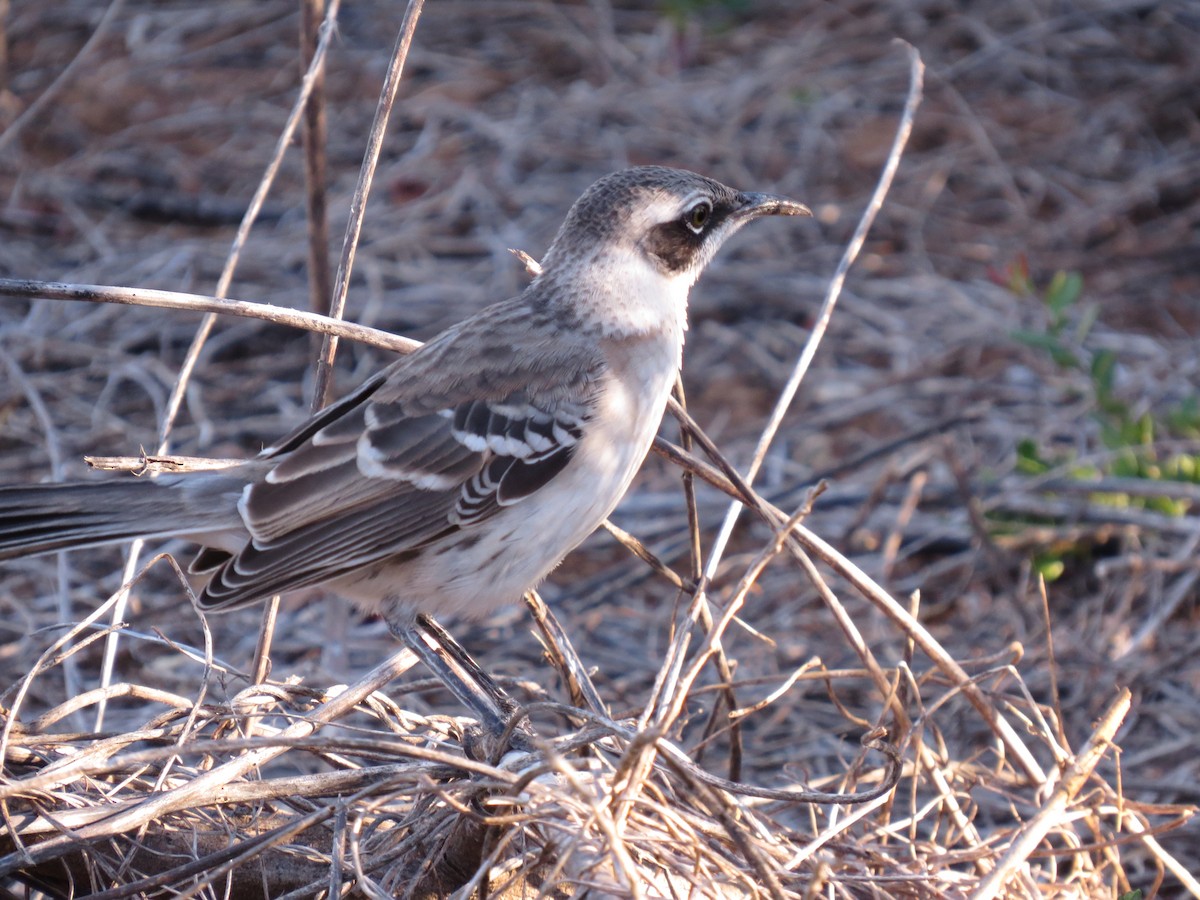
(1066, 359)
(1049, 565)
(1086, 322)
(1168, 506)
(1145, 429)
(1047, 343)
(1184, 419)
(1029, 461)
(1062, 293)
(1104, 368)
(1183, 467)
(1125, 464)
(1118, 501)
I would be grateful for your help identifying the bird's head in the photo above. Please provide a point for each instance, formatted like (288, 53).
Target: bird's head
(673, 219)
(636, 241)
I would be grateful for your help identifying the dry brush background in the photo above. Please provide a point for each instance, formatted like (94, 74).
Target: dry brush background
(1052, 137)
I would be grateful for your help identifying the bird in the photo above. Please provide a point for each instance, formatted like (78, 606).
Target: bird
(456, 478)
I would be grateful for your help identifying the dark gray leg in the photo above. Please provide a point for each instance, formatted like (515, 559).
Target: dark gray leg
(460, 674)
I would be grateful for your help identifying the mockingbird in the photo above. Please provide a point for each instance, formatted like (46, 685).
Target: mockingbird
(455, 479)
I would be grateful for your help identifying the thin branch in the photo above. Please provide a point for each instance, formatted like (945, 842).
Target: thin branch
(278, 315)
(320, 277)
(1074, 777)
(358, 203)
(832, 292)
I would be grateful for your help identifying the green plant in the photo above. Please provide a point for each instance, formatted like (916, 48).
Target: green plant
(682, 11)
(1131, 436)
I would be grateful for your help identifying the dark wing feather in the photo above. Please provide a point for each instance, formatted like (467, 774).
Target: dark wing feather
(324, 550)
(411, 457)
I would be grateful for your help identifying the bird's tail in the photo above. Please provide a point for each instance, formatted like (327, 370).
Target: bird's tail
(48, 517)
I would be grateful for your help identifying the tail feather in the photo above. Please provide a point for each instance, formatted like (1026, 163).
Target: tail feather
(48, 517)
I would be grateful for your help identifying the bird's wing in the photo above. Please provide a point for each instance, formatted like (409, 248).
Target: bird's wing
(434, 444)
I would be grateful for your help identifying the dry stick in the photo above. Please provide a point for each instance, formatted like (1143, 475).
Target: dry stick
(260, 195)
(337, 849)
(1073, 779)
(201, 788)
(64, 78)
(929, 761)
(600, 815)
(900, 523)
(9, 720)
(141, 692)
(646, 555)
(320, 278)
(1187, 878)
(882, 682)
(103, 761)
(109, 659)
(358, 203)
(564, 657)
(313, 137)
(689, 494)
(1060, 721)
(27, 289)
(730, 483)
(833, 291)
(832, 831)
(688, 679)
(206, 870)
(724, 669)
(672, 665)
(1179, 591)
(261, 669)
(731, 819)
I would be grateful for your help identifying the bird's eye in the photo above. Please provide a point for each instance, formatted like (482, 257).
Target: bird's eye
(697, 217)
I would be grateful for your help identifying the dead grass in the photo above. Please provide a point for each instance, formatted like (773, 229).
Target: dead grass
(1066, 133)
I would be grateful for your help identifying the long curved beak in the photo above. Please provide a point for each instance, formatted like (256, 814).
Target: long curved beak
(754, 205)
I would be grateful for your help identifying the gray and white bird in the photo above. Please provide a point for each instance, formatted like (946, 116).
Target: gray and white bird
(459, 476)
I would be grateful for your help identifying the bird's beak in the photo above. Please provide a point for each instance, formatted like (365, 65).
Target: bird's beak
(751, 206)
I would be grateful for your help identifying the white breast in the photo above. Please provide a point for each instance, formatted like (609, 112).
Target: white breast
(479, 569)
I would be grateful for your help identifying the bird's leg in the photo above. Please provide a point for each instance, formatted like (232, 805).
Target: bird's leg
(460, 674)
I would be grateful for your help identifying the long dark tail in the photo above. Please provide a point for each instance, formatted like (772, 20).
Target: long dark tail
(48, 517)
